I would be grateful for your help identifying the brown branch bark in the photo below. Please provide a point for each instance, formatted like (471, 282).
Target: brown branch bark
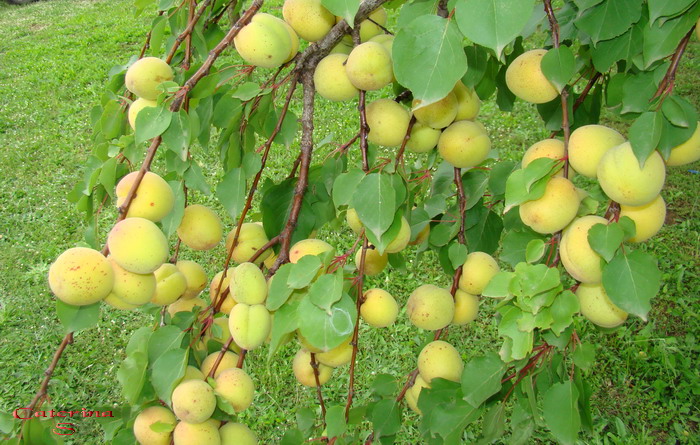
(41, 394)
(355, 342)
(668, 82)
(187, 32)
(319, 393)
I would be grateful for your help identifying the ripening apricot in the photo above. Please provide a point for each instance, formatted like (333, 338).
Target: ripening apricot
(546, 148)
(237, 434)
(281, 28)
(132, 288)
(185, 305)
(468, 102)
(466, 307)
(402, 238)
(421, 236)
(577, 256)
(137, 245)
(386, 40)
(193, 401)
(148, 417)
(309, 247)
(379, 309)
(625, 182)
(464, 144)
(375, 262)
(144, 76)
(195, 276)
(387, 121)
(353, 220)
(369, 66)
(526, 80)
(588, 144)
(439, 114)
(413, 394)
(200, 228)
(597, 307)
(265, 42)
(220, 333)
(116, 302)
(344, 46)
(370, 27)
(81, 276)
(440, 359)
(206, 432)
(154, 198)
(554, 210)
(338, 356)
(192, 373)
(477, 271)
(248, 284)
(228, 361)
(236, 387)
(304, 373)
(214, 287)
(250, 239)
(688, 151)
(136, 107)
(331, 79)
(423, 138)
(648, 218)
(430, 307)
(309, 19)
(250, 325)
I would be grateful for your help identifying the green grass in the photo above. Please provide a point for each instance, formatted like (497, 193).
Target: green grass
(55, 56)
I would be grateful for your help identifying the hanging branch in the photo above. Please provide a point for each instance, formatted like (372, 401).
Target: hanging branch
(187, 32)
(319, 393)
(668, 82)
(355, 342)
(402, 149)
(220, 357)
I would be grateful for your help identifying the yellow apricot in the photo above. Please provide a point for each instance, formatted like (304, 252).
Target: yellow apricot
(148, 417)
(185, 305)
(440, 359)
(688, 151)
(136, 107)
(81, 276)
(192, 373)
(338, 356)
(554, 210)
(237, 434)
(132, 288)
(249, 325)
(526, 80)
(477, 271)
(171, 284)
(154, 198)
(546, 148)
(308, 247)
(236, 387)
(221, 324)
(588, 144)
(464, 144)
(375, 262)
(413, 393)
(193, 401)
(466, 307)
(137, 245)
(597, 307)
(439, 114)
(228, 361)
(250, 239)
(468, 102)
(116, 302)
(370, 29)
(248, 284)
(387, 121)
(353, 220)
(144, 76)
(623, 181)
(421, 236)
(264, 42)
(206, 432)
(369, 67)
(386, 40)
(309, 19)
(331, 79)
(648, 218)
(402, 238)
(304, 373)
(423, 138)
(379, 309)
(214, 287)
(430, 307)
(195, 276)
(200, 228)
(577, 256)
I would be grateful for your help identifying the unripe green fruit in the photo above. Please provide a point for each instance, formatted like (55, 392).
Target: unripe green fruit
(577, 256)
(185, 305)
(464, 144)
(195, 276)
(387, 121)
(137, 245)
(281, 28)
(338, 356)
(547, 148)
(193, 401)
(251, 238)
(379, 309)
(369, 67)
(136, 107)
(597, 307)
(154, 198)
(439, 114)
(526, 80)
(466, 308)
(468, 102)
(648, 218)
(331, 79)
(375, 262)
(250, 325)
(264, 42)
(248, 284)
(200, 228)
(132, 288)
(401, 240)
(228, 361)
(368, 29)
(440, 359)
(344, 46)
(430, 307)
(304, 373)
(309, 19)
(423, 138)
(688, 151)
(197, 433)
(149, 416)
(236, 387)
(144, 76)
(623, 181)
(171, 284)
(308, 247)
(477, 271)
(588, 144)
(81, 276)
(554, 210)
(237, 434)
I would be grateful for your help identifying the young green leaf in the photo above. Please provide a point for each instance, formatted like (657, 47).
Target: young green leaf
(605, 239)
(77, 318)
(631, 280)
(559, 66)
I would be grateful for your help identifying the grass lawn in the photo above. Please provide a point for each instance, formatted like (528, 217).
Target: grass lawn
(54, 60)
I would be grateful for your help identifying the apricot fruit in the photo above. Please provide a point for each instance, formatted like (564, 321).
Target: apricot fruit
(200, 228)
(440, 359)
(193, 401)
(387, 121)
(464, 144)
(577, 256)
(144, 76)
(477, 271)
(249, 325)
(304, 373)
(554, 210)
(588, 144)
(430, 307)
(137, 245)
(648, 218)
(81, 276)
(149, 416)
(525, 79)
(379, 309)
(625, 182)
(597, 307)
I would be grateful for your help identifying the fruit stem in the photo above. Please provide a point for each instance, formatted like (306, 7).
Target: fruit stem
(668, 81)
(319, 393)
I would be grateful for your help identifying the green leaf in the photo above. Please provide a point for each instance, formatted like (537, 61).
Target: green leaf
(384, 385)
(475, 183)
(292, 437)
(77, 318)
(484, 229)
(347, 10)
(414, 9)
(428, 57)
(493, 23)
(645, 134)
(477, 62)
(605, 239)
(561, 414)
(520, 344)
(481, 378)
(327, 329)
(132, 375)
(386, 418)
(326, 290)
(286, 322)
(667, 8)
(108, 174)
(231, 191)
(679, 112)
(609, 19)
(279, 290)
(529, 183)
(164, 339)
(637, 92)
(534, 251)
(112, 120)
(374, 201)
(494, 422)
(458, 254)
(499, 286)
(178, 135)
(167, 372)
(335, 421)
(194, 178)
(562, 311)
(536, 278)
(661, 38)
(152, 122)
(584, 356)
(631, 280)
(304, 271)
(172, 220)
(559, 66)
(624, 47)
